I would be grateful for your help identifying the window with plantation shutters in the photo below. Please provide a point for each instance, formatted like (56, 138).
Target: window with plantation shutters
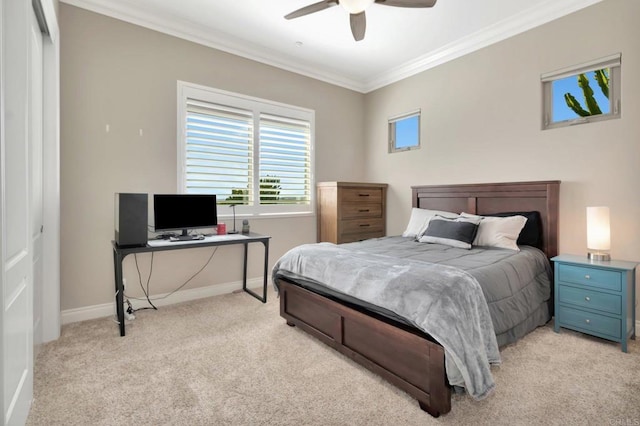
(251, 153)
(285, 166)
(218, 151)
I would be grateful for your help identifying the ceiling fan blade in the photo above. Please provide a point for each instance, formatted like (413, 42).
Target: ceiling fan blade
(407, 3)
(358, 25)
(312, 8)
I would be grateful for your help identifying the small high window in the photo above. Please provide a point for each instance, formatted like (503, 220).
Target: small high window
(582, 94)
(404, 132)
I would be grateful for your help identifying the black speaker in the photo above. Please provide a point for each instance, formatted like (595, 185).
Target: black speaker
(131, 219)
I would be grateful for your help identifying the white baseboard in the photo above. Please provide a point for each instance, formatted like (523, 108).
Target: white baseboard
(108, 309)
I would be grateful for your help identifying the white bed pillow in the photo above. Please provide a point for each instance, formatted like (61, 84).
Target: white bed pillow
(420, 219)
(499, 232)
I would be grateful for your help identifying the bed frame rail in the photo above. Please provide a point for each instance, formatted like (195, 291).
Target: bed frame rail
(408, 361)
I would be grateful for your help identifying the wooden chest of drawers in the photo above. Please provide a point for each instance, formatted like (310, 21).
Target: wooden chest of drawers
(596, 298)
(350, 211)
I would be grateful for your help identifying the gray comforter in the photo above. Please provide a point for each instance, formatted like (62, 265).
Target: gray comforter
(464, 302)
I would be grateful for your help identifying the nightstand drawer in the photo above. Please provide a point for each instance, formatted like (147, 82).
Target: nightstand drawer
(590, 299)
(588, 321)
(592, 277)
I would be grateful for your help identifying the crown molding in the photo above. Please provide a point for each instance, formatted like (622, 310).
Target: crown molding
(543, 12)
(205, 36)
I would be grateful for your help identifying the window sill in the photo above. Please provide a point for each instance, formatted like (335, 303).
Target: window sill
(288, 215)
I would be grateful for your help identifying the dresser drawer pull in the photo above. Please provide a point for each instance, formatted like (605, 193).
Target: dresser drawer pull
(588, 321)
(587, 298)
(364, 195)
(362, 225)
(587, 277)
(363, 211)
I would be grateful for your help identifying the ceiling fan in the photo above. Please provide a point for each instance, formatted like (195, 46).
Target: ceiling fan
(356, 10)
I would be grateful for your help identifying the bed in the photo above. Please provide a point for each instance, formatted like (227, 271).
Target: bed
(390, 346)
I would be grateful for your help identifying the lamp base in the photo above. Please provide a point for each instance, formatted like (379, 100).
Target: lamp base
(232, 232)
(602, 257)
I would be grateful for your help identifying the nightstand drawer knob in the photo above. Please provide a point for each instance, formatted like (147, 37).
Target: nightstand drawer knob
(587, 277)
(588, 321)
(587, 298)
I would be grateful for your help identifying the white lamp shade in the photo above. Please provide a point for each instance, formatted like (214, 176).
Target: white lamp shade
(356, 6)
(598, 228)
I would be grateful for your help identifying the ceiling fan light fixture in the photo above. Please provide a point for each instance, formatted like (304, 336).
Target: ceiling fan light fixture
(356, 6)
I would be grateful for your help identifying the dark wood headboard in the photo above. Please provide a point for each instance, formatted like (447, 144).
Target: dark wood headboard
(487, 198)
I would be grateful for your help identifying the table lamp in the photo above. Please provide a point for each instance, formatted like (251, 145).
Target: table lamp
(598, 233)
(233, 231)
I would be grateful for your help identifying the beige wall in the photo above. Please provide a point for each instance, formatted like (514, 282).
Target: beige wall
(125, 76)
(481, 123)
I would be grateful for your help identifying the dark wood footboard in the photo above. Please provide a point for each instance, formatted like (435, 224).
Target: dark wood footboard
(409, 361)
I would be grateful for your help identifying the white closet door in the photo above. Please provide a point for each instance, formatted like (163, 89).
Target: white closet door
(16, 235)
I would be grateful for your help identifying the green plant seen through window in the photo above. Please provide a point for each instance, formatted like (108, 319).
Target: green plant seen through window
(592, 108)
(269, 192)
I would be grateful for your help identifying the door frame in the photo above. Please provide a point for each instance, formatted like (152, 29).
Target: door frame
(51, 174)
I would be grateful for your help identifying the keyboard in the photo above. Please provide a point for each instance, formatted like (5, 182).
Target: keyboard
(207, 239)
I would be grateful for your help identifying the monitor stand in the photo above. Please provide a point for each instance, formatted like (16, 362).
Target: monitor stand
(185, 236)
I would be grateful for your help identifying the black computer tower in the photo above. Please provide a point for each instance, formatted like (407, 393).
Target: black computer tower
(131, 219)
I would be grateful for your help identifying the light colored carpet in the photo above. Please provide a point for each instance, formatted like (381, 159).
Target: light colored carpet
(231, 360)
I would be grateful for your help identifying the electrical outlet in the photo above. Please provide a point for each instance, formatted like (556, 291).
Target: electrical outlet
(128, 311)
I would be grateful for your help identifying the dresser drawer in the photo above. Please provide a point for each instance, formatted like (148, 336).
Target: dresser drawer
(351, 238)
(361, 195)
(590, 299)
(592, 277)
(361, 210)
(354, 226)
(588, 321)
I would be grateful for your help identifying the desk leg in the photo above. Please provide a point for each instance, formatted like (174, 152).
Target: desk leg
(265, 272)
(117, 266)
(244, 266)
(263, 299)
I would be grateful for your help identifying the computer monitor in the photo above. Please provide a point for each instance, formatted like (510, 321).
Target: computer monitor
(183, 212)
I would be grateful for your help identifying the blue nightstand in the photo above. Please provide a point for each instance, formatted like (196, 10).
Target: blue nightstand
(595, 297)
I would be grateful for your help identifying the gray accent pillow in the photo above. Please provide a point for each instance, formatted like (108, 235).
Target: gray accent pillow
(420, 219)
(459, 232)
